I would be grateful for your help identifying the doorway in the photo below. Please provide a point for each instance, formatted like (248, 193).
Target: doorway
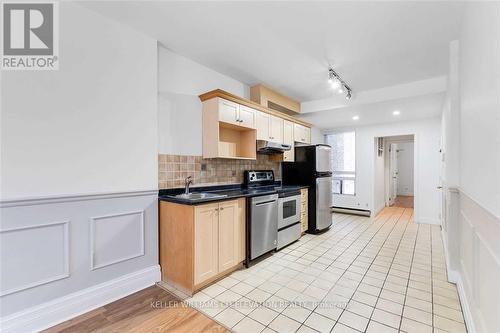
(394, 171)
(401, 170)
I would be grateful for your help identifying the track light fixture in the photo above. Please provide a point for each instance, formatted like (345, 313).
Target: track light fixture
(338, 84)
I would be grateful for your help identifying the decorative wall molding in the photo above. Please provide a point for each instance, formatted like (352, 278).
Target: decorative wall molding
(28, 201)
(471, 242)
(66, 247)
(93, 220)
(56, 311)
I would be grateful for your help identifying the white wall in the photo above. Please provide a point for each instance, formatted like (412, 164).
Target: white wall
(88, 127)
(427, 171)
(180, 82)
(405, 168)
(471, 122)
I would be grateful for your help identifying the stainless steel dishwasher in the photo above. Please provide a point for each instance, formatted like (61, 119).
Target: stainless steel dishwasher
(263, 224)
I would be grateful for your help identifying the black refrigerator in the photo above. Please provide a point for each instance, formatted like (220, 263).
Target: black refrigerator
(313, 167)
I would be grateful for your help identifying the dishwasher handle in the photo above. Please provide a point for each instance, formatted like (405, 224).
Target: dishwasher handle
(264, 203)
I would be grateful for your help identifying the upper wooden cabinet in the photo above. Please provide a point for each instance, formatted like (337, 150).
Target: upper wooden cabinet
(238, 115)
(269, 127)
(231, 126)
(301, 133)
(276, 129)
(228, 130)
(288, 138)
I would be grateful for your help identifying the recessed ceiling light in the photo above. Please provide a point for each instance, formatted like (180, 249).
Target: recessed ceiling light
(396, 112)
(355, 118)
(340, 91)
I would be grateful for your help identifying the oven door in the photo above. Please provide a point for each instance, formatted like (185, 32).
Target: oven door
(288, 211)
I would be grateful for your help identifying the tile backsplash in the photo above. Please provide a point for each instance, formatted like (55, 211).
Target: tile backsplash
(173, 169)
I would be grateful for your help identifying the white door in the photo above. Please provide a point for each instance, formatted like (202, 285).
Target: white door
(393, 171)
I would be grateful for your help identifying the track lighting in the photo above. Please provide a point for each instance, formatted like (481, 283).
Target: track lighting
(338, 84)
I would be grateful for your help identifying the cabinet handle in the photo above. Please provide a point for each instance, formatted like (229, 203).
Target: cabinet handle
(222, 208)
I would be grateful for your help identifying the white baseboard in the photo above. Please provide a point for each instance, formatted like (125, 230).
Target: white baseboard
(466, 307)
(56, 311)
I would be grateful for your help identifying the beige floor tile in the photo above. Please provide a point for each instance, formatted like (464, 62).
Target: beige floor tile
(263, 315)
(297, 313)
(270, 287)
(242, 288)
(449, 302)
(417, 315)
(306, 329)
(244, 305)
(392, 296)
(374, 327)
(418, 304)
(386, 318)
(389, 306)
(449, 325)
(423, 295)
(412, 326)
(284, 324)
(449, 313)
(365, 298)
(353, 320)
(341, 328)
(248, 325)
(320, 323)
(229, 317)
(359, 308)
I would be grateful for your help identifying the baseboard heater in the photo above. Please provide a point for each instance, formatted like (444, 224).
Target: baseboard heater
(351, 211)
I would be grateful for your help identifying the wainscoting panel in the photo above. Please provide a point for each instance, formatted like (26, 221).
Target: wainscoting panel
(116, 238)
(44, 251)
(472, 240)
(59, 246)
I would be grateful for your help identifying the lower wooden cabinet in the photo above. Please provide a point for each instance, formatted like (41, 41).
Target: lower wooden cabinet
(303, 210)
(199, 244)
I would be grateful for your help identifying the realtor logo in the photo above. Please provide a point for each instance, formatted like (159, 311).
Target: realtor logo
(30, 36)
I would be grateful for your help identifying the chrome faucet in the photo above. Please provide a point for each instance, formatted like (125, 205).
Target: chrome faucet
(188, 181)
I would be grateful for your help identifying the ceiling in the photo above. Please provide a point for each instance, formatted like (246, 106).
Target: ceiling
(289, 45)
(411, 108)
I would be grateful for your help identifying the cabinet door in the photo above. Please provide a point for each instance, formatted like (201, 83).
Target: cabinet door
(288, 156)
(228, 235)
(228, 111)
(246, 117)
(262, 125)
(276, 129)
(299, 133)
(205, 242)
(307, 135)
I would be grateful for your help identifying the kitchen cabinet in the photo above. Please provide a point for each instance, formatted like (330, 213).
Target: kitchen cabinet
(206, 235)
(235, 114)
(276, 129)
(269, 127)
(228, 130)
(200, 244)
(304, 210)
(228, 249)
(302, 133)
(288, 138)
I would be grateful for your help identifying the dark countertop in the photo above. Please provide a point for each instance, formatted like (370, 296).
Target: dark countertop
(229, 191)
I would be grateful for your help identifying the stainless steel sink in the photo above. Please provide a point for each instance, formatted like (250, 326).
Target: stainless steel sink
(199, 195)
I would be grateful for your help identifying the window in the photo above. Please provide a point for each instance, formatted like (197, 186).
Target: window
(343, 162)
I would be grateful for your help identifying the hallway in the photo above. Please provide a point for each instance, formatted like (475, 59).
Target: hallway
(404, 201)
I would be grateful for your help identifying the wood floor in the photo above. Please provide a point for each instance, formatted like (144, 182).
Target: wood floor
(404, 201)
(149, 310)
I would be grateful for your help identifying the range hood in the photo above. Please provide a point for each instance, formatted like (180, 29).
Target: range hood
(269, 147)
